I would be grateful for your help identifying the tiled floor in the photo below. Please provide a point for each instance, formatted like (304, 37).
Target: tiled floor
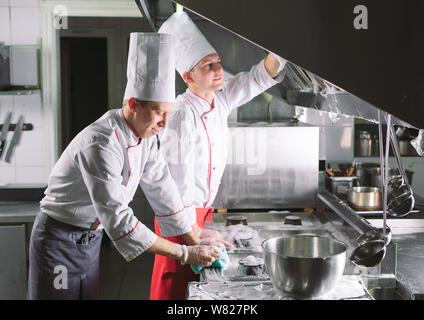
(121, 280)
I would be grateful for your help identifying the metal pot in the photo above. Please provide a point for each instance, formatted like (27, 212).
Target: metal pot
(364, 198)
(363, 144)
(304, 266)
(368, 174)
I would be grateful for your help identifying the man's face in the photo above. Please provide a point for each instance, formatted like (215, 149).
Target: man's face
(208, 74)
(151, 117)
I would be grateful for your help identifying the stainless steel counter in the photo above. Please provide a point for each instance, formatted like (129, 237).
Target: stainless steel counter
(411, 263)
(398, 277)
(19, 211)
(16, 219)
(408, 234)
(232, 285)
(347, 288)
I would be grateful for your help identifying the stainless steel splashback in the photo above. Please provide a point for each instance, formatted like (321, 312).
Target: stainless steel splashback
(270, 166)
(377, 67)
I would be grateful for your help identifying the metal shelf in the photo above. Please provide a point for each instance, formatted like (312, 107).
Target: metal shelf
(20, 92)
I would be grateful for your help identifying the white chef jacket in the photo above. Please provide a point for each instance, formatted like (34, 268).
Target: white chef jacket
(96, 177)
(196, 140)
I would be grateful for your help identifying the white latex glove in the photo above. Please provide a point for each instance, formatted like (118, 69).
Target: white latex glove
(214, 242)
(198, 254)
(212, 238)
(203, 255)
(209, 233)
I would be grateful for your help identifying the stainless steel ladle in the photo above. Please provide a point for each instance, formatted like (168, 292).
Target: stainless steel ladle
(369, 254)
(371, 242)
(400, 197)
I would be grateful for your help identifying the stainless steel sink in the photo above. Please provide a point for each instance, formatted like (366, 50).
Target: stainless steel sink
(385, 294)
(387, 288)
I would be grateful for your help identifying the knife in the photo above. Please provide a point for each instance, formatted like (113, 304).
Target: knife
(4, 132)
(15, 139)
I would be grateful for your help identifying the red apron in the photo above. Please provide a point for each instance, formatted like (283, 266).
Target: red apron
(170, 278)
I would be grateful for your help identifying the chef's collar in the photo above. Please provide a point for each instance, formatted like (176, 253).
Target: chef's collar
(130, 137)
(201, 103)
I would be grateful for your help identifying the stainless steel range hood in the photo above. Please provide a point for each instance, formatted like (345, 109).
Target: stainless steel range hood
(333, 67)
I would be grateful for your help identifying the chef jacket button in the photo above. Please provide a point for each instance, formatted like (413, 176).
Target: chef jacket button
(213, 168)
(205, 117)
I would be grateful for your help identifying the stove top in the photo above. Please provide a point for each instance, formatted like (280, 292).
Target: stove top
(235, 283)
(348, 287)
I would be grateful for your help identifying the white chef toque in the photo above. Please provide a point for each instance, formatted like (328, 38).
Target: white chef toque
(191, 45)
(151, 67)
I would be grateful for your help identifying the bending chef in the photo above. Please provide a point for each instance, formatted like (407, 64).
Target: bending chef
(95, 178)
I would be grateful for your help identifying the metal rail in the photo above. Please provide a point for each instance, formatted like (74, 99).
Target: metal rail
(345, 212)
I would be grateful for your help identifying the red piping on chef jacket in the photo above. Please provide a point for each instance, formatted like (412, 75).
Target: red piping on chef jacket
(171, 214)
(116, 134)
(210, 149)
(254, 78)
(129, 162)
(127, 233)
(128, 155)
(128, 125)
(210, 104)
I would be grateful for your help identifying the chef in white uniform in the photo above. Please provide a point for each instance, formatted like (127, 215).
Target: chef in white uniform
(197, 134)
(94, 180)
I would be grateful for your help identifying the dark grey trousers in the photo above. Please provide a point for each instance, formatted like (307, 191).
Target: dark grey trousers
(63, 261)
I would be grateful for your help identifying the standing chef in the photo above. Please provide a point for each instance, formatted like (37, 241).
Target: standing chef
(198, 130)
(94, 180)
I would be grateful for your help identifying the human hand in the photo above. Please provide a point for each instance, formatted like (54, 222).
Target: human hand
(202, 255)
(274, 64)
(212, 237)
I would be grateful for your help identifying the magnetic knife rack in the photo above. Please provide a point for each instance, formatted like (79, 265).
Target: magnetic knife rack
(25, 127)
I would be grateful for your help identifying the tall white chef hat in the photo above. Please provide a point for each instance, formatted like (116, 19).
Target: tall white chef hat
(191, 45)
(151, 67)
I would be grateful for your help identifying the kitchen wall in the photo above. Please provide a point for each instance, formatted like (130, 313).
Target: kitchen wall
(19, 22)
(20, 27)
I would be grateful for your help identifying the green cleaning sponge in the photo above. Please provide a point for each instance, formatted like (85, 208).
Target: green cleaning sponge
(222, 262)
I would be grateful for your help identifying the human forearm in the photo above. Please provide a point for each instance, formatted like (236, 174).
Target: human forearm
(192, 237)
(197, 254)
(167, 248)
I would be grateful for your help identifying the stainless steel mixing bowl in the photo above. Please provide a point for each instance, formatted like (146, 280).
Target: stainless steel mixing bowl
(304, 266)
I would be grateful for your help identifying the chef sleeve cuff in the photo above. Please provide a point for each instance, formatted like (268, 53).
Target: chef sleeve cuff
(136, 242)
(264, 78)
(177, 223)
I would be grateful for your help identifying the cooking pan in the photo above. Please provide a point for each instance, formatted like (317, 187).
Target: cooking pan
(364, 198)
(368, 174)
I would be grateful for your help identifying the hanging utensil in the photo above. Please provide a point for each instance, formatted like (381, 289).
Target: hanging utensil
(384, 164)
(371, 248)
(4, 132)
(400, 200)
(369, 254)
(16, 138)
